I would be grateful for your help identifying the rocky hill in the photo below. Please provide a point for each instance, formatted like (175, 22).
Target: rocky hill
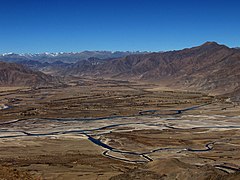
(17, 75)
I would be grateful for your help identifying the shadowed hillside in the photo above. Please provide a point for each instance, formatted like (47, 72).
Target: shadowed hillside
(18, 75)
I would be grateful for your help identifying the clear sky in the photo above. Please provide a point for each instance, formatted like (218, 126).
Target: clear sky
(154, 25)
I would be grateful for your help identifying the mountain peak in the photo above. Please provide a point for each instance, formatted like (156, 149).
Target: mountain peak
(210, 43)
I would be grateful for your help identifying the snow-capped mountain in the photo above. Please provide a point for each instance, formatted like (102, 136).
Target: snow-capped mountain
(65, 57)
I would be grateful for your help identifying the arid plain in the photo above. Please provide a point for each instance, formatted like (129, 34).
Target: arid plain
(101, 129)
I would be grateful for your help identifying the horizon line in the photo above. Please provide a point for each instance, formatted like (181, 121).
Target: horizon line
(114, 51)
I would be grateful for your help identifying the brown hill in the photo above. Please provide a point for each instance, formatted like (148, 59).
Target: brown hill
(209, 67)
(17, 75)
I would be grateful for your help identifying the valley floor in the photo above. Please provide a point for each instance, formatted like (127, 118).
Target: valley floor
(101, 129)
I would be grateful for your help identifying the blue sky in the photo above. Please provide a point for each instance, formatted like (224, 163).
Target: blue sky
(153, 25)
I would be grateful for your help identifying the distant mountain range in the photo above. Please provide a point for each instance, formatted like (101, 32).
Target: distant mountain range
(65, 57)
(209, 67)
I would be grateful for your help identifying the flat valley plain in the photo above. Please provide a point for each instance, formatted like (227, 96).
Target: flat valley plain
(112, 129)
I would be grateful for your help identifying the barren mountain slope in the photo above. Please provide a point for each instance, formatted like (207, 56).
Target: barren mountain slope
(210, 67)
(17, 75)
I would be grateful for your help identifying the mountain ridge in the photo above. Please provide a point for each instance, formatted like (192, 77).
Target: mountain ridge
(12, 74)
(208, 67)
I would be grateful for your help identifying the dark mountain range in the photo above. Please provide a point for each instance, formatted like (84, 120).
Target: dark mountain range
(17, 75)
(210, 67)
(65, 57)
